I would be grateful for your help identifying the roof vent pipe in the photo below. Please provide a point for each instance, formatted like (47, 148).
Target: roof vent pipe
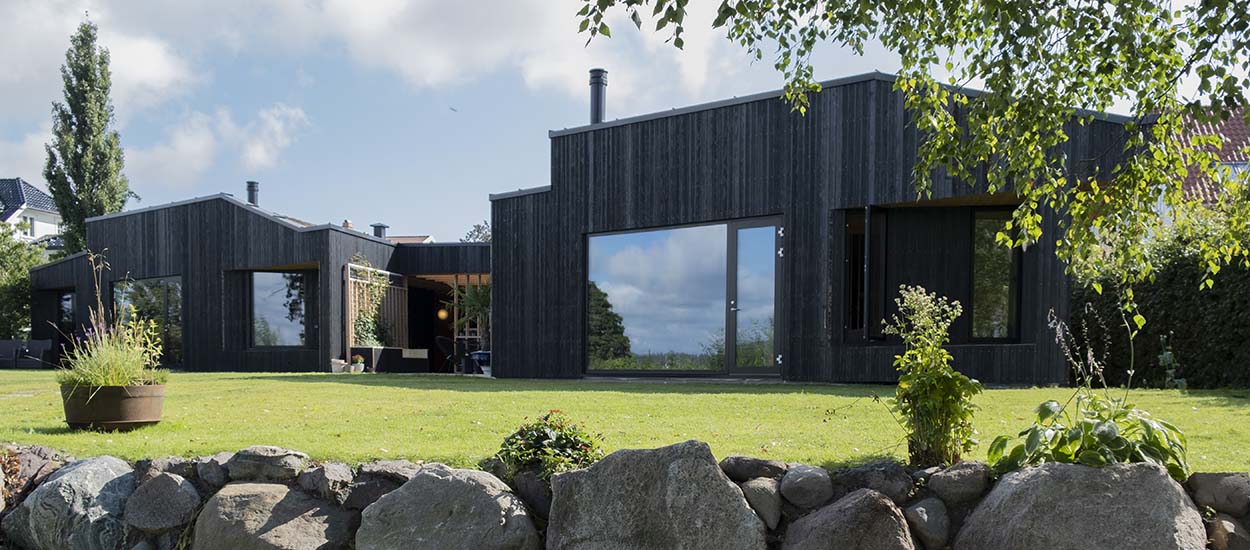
(379, 230)
(598, 93)
(253, 193)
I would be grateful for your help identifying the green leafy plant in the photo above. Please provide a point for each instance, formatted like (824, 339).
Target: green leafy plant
(113, 353)
(933, 401)
(367, 327)
(1095, 427)
(473, 302)
(551, 444)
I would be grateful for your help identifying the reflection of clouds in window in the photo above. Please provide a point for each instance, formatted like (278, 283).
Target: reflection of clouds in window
(278, 309)
(667, 285)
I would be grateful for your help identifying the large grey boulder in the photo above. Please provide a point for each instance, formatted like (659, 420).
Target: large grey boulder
(327, 481)
(266, 463)
(745, 468)
(885, 477)
(271, 516)
(165, 502)
(806, 486)
(1224, 493)
(442, 508)
(1226, 533)
(376, 479)
(674, 497)
(962, 483)
(862, 520)
(929, 522)
(80, 507)
(1071, 506)
(764, 496)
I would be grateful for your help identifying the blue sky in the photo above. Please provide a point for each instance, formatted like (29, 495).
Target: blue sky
(405, 112)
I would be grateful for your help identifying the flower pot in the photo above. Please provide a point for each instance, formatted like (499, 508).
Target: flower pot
(358, 367)
(485, 371)
(112, 408)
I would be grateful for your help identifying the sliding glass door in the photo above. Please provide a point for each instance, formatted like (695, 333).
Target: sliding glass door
(692, 299)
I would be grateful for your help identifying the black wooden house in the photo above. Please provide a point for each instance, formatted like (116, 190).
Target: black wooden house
(234, 287)
(741, 238)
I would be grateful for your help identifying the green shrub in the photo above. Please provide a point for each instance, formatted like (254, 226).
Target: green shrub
(1096, 427)
(933, 401)
(551, 444)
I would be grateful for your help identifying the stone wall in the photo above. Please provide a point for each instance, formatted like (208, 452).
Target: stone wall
(676, 497)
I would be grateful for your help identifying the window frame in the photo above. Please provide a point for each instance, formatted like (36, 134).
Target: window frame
(251, 312)
(164, 281)
(1015, 282)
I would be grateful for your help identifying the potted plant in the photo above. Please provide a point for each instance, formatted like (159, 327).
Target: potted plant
(109, 380)
(358, 363)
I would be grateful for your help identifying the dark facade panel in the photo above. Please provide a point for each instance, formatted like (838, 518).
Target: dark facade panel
(441, 258)
(854, 148)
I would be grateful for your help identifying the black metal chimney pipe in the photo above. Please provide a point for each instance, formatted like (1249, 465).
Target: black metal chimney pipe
(598, 93)
(253, 193)
(379, 230)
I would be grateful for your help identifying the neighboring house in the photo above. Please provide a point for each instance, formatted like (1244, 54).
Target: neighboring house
(23, 203)
(234, 287)
(1232, 155)
(740, 238)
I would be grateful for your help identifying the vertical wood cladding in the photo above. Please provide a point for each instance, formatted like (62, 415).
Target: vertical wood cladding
(855, 147)
(214, 244)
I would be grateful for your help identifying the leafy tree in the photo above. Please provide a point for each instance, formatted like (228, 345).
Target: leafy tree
(605, 337)
(16, 259)
(85, 159)
(480, 233)
(1042, 65)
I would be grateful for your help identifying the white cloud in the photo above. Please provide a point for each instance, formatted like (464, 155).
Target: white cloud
(24, 157)
(190, 148)
(146, 72)
(262, 140)
(188, 151)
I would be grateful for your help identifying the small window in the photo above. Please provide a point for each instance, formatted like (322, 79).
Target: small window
(278, 309)
(28, 227)
(855, 273)
(995, 279)
(159, 300)
(65, 313)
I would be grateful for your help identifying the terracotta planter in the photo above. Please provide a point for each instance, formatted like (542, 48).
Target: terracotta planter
(112, 408)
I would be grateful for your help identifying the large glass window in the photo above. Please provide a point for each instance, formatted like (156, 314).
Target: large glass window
(656, 300)
(158, 299)
(995, 280)
(278, 309)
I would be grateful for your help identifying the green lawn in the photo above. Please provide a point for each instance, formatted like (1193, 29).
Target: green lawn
(459, 421)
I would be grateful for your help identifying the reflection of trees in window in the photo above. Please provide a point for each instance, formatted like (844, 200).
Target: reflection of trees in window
(755, 344)
(605, 340)
(158, 299)
(65, 312)
(279, 303)
(995, 272)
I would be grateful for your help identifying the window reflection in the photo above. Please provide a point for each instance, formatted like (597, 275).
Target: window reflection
(159, 300)
(278, 303)
(656, 300)
(995, 278)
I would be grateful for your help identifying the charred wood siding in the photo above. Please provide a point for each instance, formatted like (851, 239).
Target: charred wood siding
(214, 245)
(855, 147)
(441, 259)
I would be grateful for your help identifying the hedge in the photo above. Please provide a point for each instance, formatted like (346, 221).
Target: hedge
(1209, 330)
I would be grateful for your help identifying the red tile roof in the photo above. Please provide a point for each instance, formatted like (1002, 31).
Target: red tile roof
(1236, 135)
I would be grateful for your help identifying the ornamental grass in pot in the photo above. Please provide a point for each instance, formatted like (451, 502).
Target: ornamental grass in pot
(109, 380)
